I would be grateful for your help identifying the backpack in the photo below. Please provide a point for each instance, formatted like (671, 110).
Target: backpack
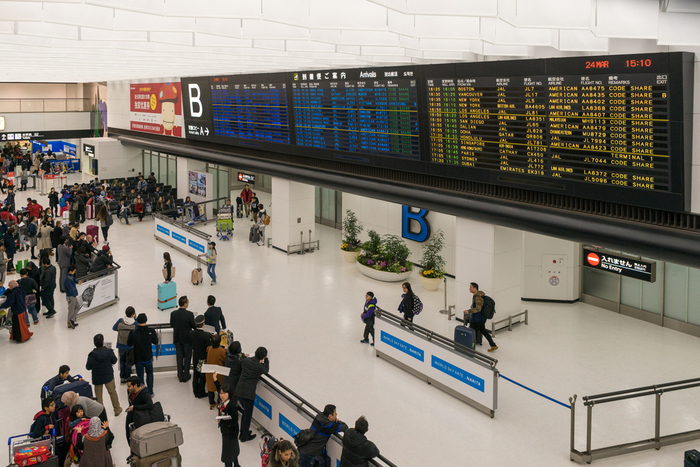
(36, 417)
(304, 437)
(109, 220)
(417, 305)
(266, 444)
(488, 309)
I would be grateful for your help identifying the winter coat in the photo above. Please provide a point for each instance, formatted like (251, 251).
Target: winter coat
(215, 356)
(82, 265)
(274, 462)
(45, 240)
(100, 362)
(368, 312)
(324, 428)
(48, 279)
(251, 371)
(357, 450)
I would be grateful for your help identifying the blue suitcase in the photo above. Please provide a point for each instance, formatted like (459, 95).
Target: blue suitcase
(82, 388)
(167, 295)
(466, 337)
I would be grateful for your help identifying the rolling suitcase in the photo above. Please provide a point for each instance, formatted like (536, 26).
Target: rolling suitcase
(154, 438)
(478, 337)
(197, 277)
(82, 388)
(169, 458)
(691, 458)
(94, 231)
(90, 211)
(465, 337)
(167, 295)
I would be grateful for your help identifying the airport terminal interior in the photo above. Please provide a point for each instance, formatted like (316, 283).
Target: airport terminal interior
(551, 142)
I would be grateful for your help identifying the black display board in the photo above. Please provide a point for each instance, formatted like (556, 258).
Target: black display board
(610, 128)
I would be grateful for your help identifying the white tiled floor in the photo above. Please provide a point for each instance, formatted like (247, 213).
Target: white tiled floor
(305, 309)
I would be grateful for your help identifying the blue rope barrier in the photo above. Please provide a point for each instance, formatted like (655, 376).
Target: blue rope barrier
(536, 392)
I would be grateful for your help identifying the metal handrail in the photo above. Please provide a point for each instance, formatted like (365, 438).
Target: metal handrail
(182, 226)
(433, 336)
(656, 442)
(309, 413)
(95, 275)
(510, 322)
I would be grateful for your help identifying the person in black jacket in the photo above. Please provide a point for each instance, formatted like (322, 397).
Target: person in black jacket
(103, 261)
(182, 322)
(234, 356)
(214, 316)
(199, 340)
(10, 249)
(47, 285)
(30, 287)
(45, 420)
(251, 370)
(53, 202)
(139, 399)
(82, 262)
(407, 302)
(100, 362)
(324, 425)
(141, 340)
(229, 427)
(357, 449)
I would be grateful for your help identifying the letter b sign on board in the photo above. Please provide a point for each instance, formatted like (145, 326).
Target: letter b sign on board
(195, 101)
(414, 225)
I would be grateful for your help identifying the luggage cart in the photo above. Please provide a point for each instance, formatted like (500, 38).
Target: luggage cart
(25, 451)
(224, 225)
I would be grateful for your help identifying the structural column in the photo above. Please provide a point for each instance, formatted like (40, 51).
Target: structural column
(293, 204)
(490, 256)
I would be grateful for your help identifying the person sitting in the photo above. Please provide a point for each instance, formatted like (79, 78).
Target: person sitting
(139, 208)
(96, 444)
(124, 212)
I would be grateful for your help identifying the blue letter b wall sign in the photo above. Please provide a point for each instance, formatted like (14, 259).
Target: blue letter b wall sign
(414, 225)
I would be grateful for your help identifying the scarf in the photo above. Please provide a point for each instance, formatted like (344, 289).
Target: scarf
(95, 430)
(70, 398)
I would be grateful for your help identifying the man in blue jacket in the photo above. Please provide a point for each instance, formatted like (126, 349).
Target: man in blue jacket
(71, 289)
(324, 425)
(367, 316)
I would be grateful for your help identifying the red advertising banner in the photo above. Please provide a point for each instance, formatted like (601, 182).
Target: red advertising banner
(157, 108)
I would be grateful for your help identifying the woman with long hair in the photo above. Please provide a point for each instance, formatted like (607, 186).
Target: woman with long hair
(168, 266)
(211, 261)
(407, 302)
(102, 215)
(228, 425)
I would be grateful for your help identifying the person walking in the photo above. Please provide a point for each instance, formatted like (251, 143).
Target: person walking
(214, 316)
(10, 249)
(64, 253)
(357, 449)
(324, 425)
(53, 202)
(367, 316)
(141, 339)
(182, 322)
(32, 232)
(246, 196)
(72, 296)
(477, 320)
(31, 289)
(16, 303)
(228, 426)
(251, 370)
(211, 261)
(124, 326)
(3, 263)
(47, 286)
(106, 220)
(406, 306)
(100, 362)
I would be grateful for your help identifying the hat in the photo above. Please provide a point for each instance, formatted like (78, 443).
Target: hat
(168, 93)
(142, 318)
(105, 248)
(199, 319)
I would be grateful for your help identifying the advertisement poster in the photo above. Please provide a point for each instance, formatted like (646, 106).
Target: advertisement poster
(96, 292)
(157, 108)
(198, 184)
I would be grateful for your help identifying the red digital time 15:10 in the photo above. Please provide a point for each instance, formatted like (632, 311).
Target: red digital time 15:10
(638, 63)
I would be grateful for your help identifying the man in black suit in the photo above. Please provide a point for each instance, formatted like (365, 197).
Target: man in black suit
(182, 322)
(199, 340)
(251, 370)
(139, 399)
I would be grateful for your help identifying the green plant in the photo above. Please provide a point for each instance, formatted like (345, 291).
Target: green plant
(373, 245)
(395, 249)
(433, 263)
(351, 231)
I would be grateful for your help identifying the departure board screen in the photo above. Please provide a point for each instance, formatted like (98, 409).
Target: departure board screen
(359, 111)
(580, 126)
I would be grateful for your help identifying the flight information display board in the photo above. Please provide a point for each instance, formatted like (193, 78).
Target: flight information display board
(602, 128)
(359, 111)
(609, 128)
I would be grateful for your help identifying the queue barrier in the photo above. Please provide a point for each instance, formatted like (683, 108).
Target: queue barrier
(462, 372)
(183, 238)
(509, 322)
(283, 413)
(98, 290)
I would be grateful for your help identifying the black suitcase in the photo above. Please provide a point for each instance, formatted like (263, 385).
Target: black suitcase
(82, 388)
(254, 236)
(464, 336)
(692, 458)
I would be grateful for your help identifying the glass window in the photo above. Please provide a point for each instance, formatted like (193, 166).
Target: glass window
(155, 159)
(172, 172)
(676, 291)
(224, 191)
(694, 296)
(318, 203)
(162, 173)
(651, 292)
(214, 171)
(631, 292)
(338, 208)
(600, 284)
(146, 162)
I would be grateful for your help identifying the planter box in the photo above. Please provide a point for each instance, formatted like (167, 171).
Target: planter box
(430, 284)
(349, 256)
(383, 276)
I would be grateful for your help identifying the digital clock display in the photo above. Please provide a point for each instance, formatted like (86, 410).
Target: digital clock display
(638, 63)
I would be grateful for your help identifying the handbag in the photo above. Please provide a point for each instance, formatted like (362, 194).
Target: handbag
(31, 299)
(267, 220)
(200, 363)
(172, 273)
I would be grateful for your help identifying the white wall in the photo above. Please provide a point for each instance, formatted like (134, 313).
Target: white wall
(33, 91)
(114, 159)
(294, 213)
(385, 218)
(539, 254)
(47, 121)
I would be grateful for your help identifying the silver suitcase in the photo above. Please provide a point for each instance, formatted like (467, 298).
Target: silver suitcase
(154, 438)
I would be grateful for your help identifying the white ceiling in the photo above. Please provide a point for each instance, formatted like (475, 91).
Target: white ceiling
(106, 40)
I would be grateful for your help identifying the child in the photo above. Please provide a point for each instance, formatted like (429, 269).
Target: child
(44, 420)
(77, 414)
(368, 317)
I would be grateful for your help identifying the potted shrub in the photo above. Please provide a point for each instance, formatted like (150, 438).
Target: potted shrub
(433, 263)
(385, 258)
(351, 236)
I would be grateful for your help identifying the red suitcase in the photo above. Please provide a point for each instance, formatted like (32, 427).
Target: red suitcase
(94, 231)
